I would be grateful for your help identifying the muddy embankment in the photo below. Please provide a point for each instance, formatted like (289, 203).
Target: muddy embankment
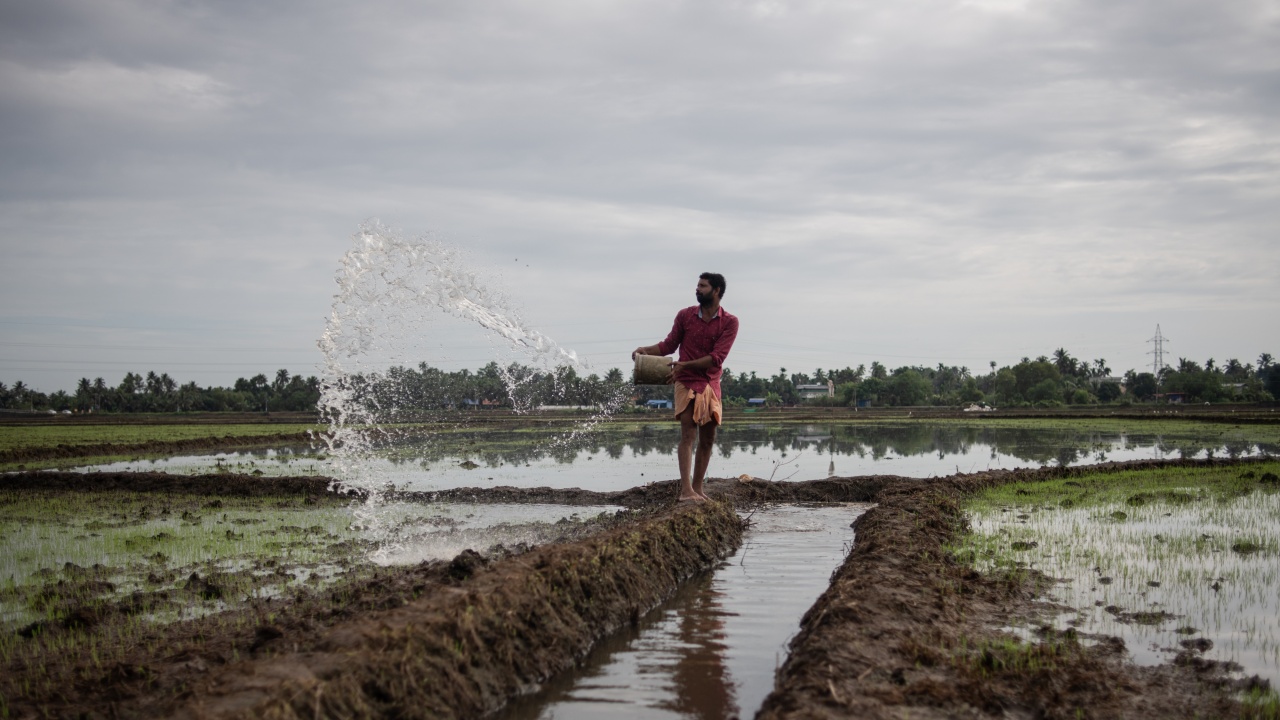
(905, 630)
(234, 484)
(465, 651)
(655, 494)
(151, 447)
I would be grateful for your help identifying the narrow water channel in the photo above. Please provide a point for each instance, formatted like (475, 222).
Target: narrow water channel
(711, 651)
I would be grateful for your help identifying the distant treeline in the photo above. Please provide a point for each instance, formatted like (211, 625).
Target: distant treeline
(1045, 381)
(160, 393)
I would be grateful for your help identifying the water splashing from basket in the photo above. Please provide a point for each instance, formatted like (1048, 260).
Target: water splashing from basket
(398, 300)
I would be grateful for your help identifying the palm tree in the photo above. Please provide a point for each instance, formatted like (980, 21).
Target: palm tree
(84, 394)
(1100, 368)
(1233, 368)
(19, 393)
(99, 392)
(1264, 361)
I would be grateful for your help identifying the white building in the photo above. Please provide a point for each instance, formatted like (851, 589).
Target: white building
(814, 390)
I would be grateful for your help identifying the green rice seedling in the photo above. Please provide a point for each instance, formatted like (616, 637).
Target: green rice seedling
(137, 542)
(1144, 553)
(1261, 704)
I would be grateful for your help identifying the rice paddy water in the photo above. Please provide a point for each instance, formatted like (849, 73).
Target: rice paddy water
(621, 455)
(1169, 560)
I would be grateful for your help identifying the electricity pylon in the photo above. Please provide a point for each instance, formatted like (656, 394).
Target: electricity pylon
(1158, 351)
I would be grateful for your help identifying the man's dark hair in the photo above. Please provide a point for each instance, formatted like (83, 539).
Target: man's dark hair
(716, 280)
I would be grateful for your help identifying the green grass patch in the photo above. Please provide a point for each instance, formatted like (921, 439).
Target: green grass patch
(25, 437)
(1260, 704)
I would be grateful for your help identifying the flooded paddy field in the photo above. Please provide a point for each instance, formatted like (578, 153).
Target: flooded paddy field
(1167, 560)
(59, 441)
(72, 557)
(622, 454)
(133, 580)
(238, 583)
(913, 625)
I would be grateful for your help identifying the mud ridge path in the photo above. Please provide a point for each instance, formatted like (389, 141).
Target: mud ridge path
(463, 651)
(904, 630)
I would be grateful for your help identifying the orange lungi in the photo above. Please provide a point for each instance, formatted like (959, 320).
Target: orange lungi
(706, 405)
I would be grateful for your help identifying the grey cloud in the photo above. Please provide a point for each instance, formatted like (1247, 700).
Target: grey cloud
(1077, 154)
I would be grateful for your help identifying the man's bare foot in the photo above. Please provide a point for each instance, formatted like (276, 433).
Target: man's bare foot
(691, 498)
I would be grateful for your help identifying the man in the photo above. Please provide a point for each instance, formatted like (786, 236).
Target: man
(704, 333)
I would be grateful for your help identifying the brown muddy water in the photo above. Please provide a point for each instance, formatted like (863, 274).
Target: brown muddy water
(710, 652)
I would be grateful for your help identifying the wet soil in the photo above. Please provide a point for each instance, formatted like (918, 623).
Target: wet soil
(212, 484)
(859, 489)
(904, 630)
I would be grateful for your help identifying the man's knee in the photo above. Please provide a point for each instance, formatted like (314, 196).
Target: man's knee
(688, 431)
(707, 436)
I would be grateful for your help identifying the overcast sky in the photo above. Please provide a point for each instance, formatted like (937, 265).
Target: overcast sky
(914, 182)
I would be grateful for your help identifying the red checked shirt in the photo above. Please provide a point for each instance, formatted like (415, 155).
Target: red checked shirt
(698, 338)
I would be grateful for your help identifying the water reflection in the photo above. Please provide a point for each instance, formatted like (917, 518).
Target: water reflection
(701, 684)
(1037, 446)
(710, 652)
(624, 457)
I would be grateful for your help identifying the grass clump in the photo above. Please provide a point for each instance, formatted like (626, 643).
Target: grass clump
(1261, 704)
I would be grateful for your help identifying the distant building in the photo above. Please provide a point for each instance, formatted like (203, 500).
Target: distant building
(755, 402)
(827, 389)
(660, 405)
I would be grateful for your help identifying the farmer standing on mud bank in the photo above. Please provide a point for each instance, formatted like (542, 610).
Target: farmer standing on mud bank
(704, 333)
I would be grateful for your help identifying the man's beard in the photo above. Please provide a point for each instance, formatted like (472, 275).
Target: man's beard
(703, 300)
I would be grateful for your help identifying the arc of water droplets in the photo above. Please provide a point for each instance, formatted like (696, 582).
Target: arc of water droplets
(410, 280)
